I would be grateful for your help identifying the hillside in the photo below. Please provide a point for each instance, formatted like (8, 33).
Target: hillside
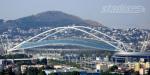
(48, 19)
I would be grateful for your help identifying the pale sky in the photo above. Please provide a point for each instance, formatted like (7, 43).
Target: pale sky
(86, 9)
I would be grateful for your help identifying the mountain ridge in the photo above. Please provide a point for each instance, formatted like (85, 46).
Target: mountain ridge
(48, 18)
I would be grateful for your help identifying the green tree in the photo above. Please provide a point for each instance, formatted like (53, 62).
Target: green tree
(2, 72)
(41, 73)
(113, 68)
(32, 71)
(52, 74)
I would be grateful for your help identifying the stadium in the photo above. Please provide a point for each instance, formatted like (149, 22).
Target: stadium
(75, 39)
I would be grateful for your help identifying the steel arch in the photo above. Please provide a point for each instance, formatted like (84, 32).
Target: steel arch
(70, 27)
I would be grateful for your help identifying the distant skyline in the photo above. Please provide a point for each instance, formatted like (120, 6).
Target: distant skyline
(111, 13)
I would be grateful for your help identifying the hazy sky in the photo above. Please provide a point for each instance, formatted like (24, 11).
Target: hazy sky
(112, 13)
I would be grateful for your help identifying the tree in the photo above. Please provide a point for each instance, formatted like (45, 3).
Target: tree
(32, 71)
(41, 73)
(2, 72)
(149, 71)
(113, 68)
(10, 72)
(52, 74)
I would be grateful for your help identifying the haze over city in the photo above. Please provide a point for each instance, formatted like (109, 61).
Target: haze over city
(86, 9)
(74, 37)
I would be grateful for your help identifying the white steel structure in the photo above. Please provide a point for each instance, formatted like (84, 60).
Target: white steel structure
(87, 30)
